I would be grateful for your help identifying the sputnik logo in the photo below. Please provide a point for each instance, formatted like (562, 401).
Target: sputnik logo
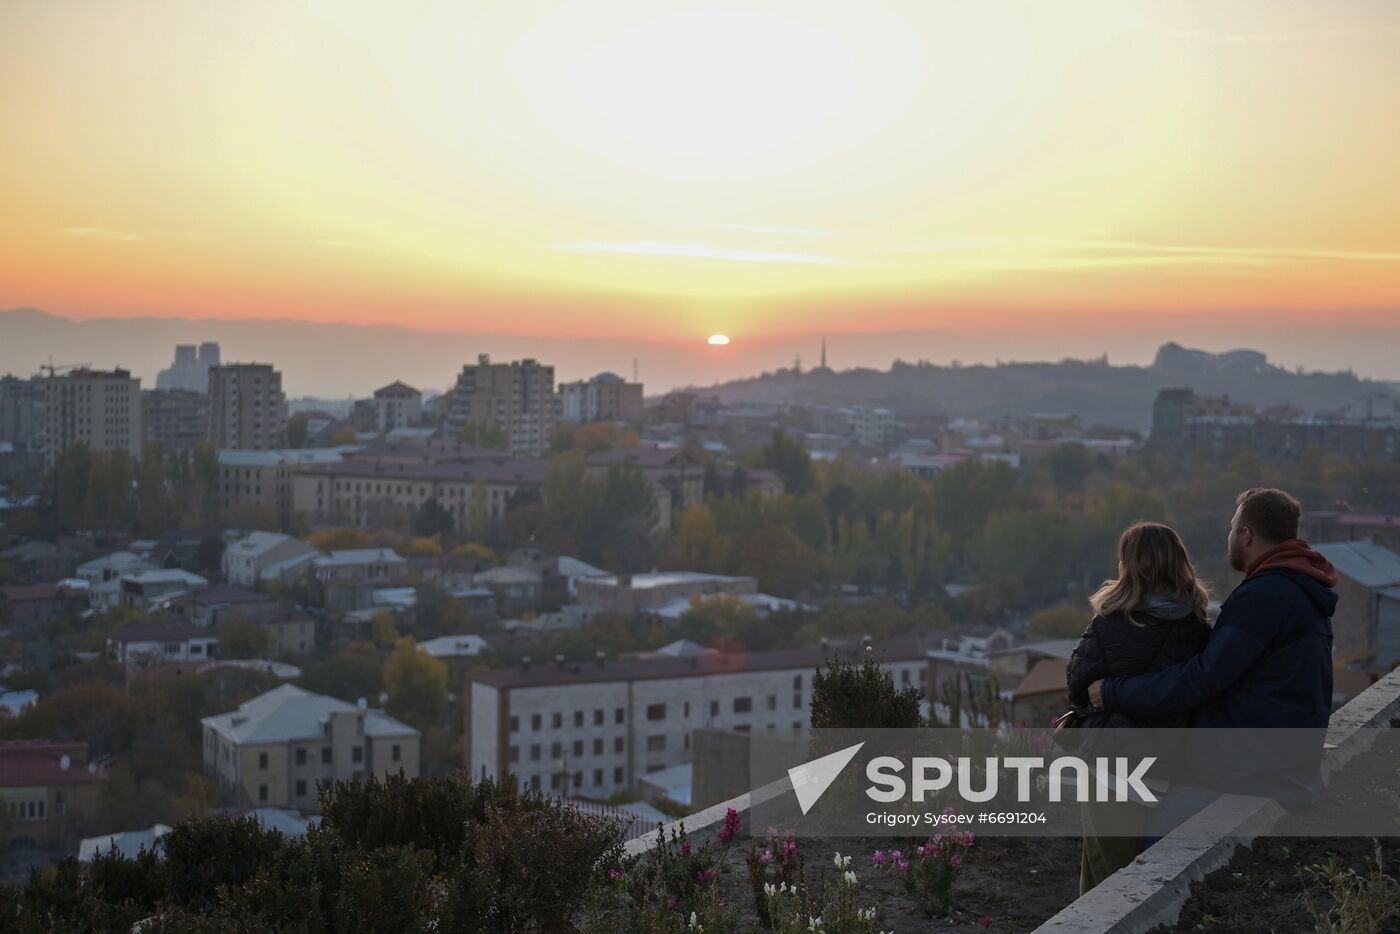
(810, 780)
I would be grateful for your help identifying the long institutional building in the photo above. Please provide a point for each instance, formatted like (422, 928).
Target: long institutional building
(597, 727)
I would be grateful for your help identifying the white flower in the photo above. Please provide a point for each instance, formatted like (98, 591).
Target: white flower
(814, 924)
(867, 914)
(849, 878)
(842, 862)
(695, 922)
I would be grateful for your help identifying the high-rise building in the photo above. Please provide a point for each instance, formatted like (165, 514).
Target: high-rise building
(397, 405)
(99, 408)
(190, 371)
(604, 398)
(177, 418)
(517, 398)
(22, 412)
(247, 410)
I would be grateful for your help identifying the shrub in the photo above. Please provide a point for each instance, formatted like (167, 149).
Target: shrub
(203, 855)
(773, 862)
(929, 871)
(847, 696)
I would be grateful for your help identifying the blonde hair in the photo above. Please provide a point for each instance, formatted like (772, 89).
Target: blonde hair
(1152, 562)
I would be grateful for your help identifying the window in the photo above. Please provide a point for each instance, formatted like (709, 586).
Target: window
(685, 711)
(357, 753)
(325, 755)
(904, 676)
(656, 711)
(597, 747)
(535, 782)
(797, 702)
(772, 702)
(301, 788)
(554, 782)
(534, 752)
(578, 747)
(262, 760)
(262, 792)
(578, 718)
(301, 757)
(619, 744)
(557, 720)
(743, 704)
(394, 753)
(598, 717)
(515, 724)
(797, 682)
(556, 749)
(513, 754)
(597, 777)
(656, 743)
(620, 716)
(617, 775)
(535, 721)
(714, 708)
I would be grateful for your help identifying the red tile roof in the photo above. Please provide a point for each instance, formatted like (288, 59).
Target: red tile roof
(26, 762)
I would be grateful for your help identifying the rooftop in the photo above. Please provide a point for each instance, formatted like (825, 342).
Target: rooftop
(288, 712)
(356, 556)
(1367, 563)
(238, 457)
(665, 579)
(162, 631)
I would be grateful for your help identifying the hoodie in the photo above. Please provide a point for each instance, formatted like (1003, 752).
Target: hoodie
(1268, 664)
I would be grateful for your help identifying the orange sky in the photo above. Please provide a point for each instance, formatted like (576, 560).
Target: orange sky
(667, 171)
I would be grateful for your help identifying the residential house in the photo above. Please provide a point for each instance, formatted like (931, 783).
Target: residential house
(274, 749)
(349, 578)
(260, 557)
(154, 642)
(515, 589)
(628, 594)
(49, 792)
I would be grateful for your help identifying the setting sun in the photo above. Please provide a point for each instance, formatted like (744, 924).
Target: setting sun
(718, 340)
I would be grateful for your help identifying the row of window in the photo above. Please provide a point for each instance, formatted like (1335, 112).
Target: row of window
(657, 712)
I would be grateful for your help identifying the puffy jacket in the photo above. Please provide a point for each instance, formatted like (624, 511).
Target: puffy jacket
(1117, 646)
(1268, 664)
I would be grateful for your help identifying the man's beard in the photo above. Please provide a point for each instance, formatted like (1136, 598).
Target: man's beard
(1236, 560)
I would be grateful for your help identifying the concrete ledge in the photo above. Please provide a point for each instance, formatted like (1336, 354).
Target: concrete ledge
(1151, 890)
(711, 818)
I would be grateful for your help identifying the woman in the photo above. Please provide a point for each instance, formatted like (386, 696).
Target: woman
(1153, 616)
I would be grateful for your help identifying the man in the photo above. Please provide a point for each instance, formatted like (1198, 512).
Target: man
(1268, 664)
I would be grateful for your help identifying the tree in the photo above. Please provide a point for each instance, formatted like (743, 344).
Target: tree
(789, 457)
(431, 519)
(383, 632)
(1070, 465)
(1065, 621)
(356, 671)
(417, 685)
(243, 638)
(296, 431)
(696, 543)
(487, 435)
(847, 696)
(783, 564)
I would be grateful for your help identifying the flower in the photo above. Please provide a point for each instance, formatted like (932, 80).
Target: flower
(731, 827)
(789, 849)
(614, 874)
(902, 866)
(986, 921)
(878, 858)
(685, 847)
(866, 914)
(814, 924)
(955, 861)
(695, 922)
(704, 876)
(770, 889)
(849, 877)
(766, 857)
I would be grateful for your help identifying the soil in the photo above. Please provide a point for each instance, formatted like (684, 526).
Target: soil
(1017, 882)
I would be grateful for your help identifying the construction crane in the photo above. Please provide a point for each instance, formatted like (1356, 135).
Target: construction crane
(51, 369)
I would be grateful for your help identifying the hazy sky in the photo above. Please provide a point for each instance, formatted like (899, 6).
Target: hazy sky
(672, 169)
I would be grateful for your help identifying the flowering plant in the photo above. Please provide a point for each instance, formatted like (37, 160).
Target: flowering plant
(794, 910)
(930, 869)
(772, 861)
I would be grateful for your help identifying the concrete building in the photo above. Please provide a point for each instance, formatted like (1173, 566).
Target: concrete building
(1352, 527)
(606, 397)
(177, 418)
(50, 794)
(99, 408)
(871, 426)
(148, 589)
(156, 642)
(1366, 626)
(260, 483)
(273, 749)
(397, 405)
(349, 578)
(190, 370)
(260, 557)
(517, 398)
(22, 415)
(375, 491)
(247, 410)
(629, 594)
(595, 728)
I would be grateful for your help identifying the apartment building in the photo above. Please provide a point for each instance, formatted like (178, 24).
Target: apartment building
(594, 728)
(397, 405)
(273, 749)
(50, 794)
(517, 398)
(606, 397)
(99, 408)
(247, 410)
(261, 482)
(266, 556)
(177, 418)
(376, 490)
(190, 369)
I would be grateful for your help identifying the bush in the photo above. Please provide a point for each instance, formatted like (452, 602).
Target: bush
(203, 855)
(847, 696)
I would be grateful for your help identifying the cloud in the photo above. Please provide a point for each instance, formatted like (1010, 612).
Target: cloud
(1027, 254)
(102, 233)
(700, 250)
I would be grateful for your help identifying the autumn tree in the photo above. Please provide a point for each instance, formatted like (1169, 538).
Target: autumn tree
(417, 685)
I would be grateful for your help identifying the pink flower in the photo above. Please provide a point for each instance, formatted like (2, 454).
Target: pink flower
(614, 874)
(685, 847)
(789, 849)
(955, 861)
(896, 855)
(878, 858)
(765, 857)
(704, 876)
(986, 921)
(731, 827)
(902, 866)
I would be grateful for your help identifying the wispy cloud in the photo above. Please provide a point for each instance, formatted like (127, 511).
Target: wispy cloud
(1088, 253)
(102, 233)
(701, 250)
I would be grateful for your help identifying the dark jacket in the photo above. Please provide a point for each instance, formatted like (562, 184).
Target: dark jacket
(1118, 646)
(1268, 664)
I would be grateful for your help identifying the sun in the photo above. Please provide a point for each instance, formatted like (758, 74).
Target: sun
(718, 340)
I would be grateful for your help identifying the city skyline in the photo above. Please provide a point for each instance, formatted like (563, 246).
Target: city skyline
(715, 168)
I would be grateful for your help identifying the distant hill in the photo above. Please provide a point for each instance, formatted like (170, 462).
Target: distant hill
(1097, 392)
